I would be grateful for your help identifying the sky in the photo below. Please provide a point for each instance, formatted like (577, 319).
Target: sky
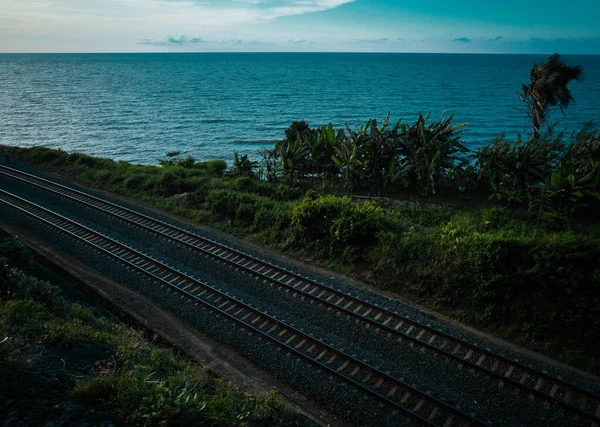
(461, 26)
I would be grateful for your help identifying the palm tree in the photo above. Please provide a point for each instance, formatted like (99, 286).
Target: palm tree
(548, 89)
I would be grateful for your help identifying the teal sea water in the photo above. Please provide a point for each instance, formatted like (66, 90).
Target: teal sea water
(136, 107)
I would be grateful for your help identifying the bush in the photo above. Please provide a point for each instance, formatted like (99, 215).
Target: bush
(16, 284)
(215, 168)
(14, 252)
(340, 225)
(241, 208)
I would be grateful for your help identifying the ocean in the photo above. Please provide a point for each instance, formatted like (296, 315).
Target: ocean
(136, 107)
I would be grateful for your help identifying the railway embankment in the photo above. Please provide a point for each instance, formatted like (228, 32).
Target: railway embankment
(530, 279)
(378, 335)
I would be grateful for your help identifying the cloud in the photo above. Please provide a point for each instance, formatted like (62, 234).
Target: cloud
(496, 39)
(127, 15)
(462, 40)
(184, 41)
(372, 41)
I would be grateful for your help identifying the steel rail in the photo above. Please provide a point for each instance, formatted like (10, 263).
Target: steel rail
(427, 409)
(505, 370)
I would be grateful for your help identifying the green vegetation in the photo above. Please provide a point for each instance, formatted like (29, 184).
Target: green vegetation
(505, 238)
(142, 383)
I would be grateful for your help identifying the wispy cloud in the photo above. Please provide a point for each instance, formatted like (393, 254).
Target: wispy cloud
(373, 41)
(184, 41)
(184, 14)
(462, 40)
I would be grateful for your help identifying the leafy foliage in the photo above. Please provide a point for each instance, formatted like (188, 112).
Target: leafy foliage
(243, 166)
(428, 151)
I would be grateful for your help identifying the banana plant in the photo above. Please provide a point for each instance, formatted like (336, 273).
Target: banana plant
(293, 155)
(377, 146)
(568, 190)
(243, 166)
(346, 158)
(428, 151)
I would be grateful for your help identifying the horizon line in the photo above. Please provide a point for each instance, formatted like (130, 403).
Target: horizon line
(289, 52)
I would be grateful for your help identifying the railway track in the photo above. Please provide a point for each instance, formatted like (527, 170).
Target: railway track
(402, 397)
(584, 404)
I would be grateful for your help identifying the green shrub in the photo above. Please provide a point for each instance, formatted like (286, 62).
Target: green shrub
(340, 225)
(14, 252)
(215, 168)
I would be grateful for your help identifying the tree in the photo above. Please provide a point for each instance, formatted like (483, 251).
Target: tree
(377, 146)
(428, 151)
(346, 158)
(243, 166)
(548, 89)
(293, 156)
(322, 147)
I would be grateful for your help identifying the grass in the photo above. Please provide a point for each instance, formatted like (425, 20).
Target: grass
(534, 280)
(141, 382)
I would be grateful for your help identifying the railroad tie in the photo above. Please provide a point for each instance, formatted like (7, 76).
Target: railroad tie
(434, 413)
(480, 360)
(449, 420)
(584, 401)
(343, 366)
(509, 372)
(523, 378)
(355, 371)
(419, 405)
(321, 354)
